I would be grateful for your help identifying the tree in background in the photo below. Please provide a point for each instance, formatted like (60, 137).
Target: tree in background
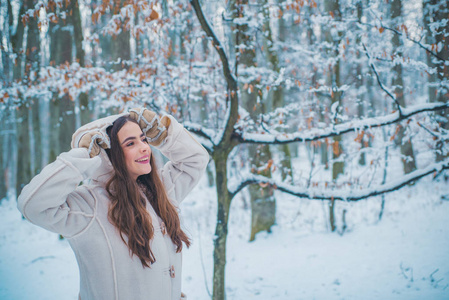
(186, 59)
(408, 160)
(440, 29)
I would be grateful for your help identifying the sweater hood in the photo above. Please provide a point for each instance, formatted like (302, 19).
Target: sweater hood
(105, 170)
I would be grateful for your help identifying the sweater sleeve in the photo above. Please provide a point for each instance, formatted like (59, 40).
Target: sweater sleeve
(188, 161)
(54, 200)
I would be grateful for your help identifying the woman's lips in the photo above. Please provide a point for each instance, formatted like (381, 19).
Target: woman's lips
(143, 160)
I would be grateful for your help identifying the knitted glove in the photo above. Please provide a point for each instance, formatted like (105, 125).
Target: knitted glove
(93, 141)
(155, 128)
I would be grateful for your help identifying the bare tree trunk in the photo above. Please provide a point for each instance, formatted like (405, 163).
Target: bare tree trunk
(408, 160)
(359, 82)
(44, 127)
(4, 170)
(9, 148)
(278, 92)
(384, 177)
(333, 8)
(17, 45)
(83, 98)
(105, 42)
(171, 34)
(67, 122)
(428, 14)
(25, 112)
(333, 80)
(140, 38)
(220, 156)
(332, 215)
(6, 72)
(74, 11)
(442, 39)
(61, 39)
(35, 140)
(64, 37)
(324, 147)
(263, 203)
(121, 47)
(93, 54)
(203, 113)
(7, 76)
(24, 174)
(61, 42)
(55, 148)
(221, 230)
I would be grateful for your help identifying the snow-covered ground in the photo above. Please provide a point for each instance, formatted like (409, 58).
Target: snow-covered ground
(404, 256)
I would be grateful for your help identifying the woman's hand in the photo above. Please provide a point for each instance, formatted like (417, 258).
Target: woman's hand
(155, 128)
(93, 141)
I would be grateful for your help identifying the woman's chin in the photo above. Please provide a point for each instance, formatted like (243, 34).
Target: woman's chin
(147, 171)
(144, 172)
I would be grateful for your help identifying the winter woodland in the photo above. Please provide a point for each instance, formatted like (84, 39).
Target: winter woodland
(318, 111)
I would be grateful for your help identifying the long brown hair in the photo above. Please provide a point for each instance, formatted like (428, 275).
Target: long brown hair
(128, 207)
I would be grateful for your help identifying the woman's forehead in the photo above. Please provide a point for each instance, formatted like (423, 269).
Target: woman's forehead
(130, 129)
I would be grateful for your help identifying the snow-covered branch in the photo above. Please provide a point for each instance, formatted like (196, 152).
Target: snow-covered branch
(199, 130)
(343, 195)
(232, 109)
(355, 125)
(203, 133)
(217, 44)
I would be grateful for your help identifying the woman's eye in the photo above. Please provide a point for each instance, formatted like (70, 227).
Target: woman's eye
(145, 140)
(130, 144)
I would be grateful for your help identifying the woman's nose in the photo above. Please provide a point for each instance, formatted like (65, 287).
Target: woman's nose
(144, 147)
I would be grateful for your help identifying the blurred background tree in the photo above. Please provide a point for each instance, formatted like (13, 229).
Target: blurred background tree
(342, 86)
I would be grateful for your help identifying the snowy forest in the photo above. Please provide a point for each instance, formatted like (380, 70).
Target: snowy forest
(315, 111)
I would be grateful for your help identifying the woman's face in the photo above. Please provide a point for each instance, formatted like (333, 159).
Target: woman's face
(136, 150)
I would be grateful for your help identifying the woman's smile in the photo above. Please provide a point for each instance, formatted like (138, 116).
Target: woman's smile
(144, 160)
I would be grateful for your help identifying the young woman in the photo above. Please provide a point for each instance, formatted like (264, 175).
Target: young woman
(123, 223)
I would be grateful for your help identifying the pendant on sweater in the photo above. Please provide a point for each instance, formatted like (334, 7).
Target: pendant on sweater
(172, 271)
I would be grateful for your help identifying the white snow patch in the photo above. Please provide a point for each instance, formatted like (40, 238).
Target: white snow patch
(404, 256)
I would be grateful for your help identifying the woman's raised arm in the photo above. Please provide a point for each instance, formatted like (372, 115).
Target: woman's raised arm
(188, 161)
(54, 200)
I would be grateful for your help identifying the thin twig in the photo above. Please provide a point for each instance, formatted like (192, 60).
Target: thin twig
(408, 38)
(380, 83)
(41, 258)
(440, 137)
